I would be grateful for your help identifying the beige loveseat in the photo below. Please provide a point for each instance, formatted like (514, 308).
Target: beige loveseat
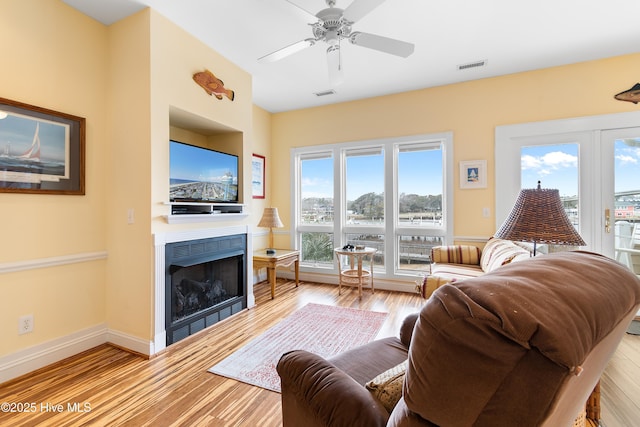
(512, 347)
(456, 262)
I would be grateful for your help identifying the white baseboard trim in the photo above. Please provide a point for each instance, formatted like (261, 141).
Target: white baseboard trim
(332, 279)
(129, 342)
(41, 355)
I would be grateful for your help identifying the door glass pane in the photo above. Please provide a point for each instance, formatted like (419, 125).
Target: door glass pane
(365, 186)
(556, 167)
(420, 184)
(316, 186)
(627, 202)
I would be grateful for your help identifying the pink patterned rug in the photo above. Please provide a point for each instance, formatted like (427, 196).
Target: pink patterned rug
(321, 329)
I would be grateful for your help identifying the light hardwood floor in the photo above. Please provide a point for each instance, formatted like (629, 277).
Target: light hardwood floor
(115, 387)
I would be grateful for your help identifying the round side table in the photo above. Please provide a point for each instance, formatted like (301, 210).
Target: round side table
(351, 272)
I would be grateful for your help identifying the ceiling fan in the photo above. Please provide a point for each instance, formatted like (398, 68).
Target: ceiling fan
(334, 25)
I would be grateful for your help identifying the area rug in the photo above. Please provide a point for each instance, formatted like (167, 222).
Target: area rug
(321, 329)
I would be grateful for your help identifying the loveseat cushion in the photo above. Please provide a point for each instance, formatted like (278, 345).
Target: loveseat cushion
(499, 252)
(479, 342)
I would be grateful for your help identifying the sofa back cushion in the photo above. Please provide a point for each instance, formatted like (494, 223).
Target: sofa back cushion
(499, 252)
(495, 350)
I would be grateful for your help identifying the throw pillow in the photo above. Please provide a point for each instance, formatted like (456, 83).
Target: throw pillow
(387, 387)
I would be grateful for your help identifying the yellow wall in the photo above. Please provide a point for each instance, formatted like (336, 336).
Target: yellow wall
(471, 110)
(54, 57)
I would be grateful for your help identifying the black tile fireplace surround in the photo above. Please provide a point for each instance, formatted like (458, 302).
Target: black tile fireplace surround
(204, 283)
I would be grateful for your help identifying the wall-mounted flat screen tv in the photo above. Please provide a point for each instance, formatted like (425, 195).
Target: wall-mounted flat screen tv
(199, 174)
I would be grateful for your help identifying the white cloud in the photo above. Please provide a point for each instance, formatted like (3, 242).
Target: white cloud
(549, 162)
(624, 159)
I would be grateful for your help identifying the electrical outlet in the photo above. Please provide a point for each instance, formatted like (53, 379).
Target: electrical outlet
(25, 324)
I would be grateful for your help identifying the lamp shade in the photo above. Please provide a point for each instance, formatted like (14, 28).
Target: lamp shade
(539, 217)
(270, 218)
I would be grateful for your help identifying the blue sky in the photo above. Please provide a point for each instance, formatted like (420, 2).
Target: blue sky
(556, 166)
(420, 172)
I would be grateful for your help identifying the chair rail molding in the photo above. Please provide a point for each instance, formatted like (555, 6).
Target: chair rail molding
(32, 264)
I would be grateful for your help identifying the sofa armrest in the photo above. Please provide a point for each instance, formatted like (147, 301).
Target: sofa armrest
(456, 254)
(316, 393)
(430, 283)
(406, 330)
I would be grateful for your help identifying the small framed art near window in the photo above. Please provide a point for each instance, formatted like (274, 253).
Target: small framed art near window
(473, 174)
(257, 176)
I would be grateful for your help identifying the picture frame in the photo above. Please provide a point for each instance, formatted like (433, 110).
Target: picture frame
(257, 176)
(473, 174)
(42, 151)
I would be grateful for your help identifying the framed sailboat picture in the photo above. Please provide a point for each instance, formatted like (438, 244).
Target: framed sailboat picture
(41, 151)
(473, 174)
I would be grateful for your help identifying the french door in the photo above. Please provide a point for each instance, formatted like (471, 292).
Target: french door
(593, 161)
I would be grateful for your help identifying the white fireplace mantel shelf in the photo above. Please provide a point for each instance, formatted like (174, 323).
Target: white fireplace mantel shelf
(183, 219)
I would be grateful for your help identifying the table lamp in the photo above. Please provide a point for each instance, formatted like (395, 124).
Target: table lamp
(270, 219)
(539, 217)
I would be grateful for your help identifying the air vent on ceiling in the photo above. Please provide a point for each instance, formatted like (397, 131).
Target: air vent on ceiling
(325, 93)
(474, 64)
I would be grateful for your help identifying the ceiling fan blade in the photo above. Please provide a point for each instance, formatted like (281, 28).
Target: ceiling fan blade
(359, 8)
(288, 50)
(336, 75)
(383, 44)
(311, 16)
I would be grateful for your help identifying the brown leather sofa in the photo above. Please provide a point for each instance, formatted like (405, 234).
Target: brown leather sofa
(521, 346)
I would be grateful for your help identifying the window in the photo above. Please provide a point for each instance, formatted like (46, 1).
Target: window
(419, 209)
(386, 194)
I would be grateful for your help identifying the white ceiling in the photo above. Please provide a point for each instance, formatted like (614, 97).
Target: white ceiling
(511, 36)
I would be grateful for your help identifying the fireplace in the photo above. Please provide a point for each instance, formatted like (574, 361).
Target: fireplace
(205, 282)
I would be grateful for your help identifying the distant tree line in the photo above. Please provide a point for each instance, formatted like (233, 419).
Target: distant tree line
(371, 205)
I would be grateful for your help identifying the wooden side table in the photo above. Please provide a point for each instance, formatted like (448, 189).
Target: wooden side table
(352, 274)
(282, 258)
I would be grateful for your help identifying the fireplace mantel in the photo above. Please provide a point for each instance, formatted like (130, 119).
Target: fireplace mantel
(160, 241)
